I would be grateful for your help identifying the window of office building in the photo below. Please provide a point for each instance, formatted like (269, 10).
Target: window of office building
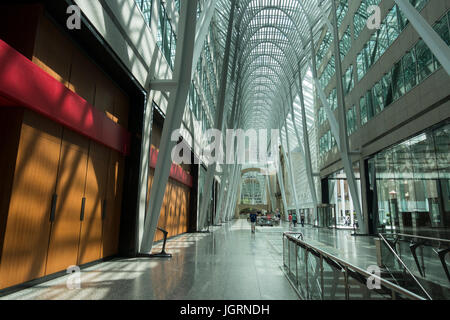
(166, 38)
(349, 82)
(346, 43)
(146, 8)
(411, 183)
(351, 120)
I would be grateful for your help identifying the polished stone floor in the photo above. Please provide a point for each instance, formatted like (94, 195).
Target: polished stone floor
(227, 264)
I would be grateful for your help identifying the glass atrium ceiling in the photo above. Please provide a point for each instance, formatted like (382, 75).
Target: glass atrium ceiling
(270, 42)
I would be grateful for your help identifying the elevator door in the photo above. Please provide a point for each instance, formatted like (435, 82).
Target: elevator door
(65, 233)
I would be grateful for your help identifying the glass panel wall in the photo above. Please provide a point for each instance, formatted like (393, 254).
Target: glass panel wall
(341, 199)
(412, 185)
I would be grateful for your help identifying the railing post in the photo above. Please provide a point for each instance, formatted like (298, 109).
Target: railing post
(284, 251)
(296, 265)
(289, 256)
(347, 291)
(321, 276)
(306, 273)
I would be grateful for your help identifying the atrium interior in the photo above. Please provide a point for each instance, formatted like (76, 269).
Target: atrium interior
(225, 150)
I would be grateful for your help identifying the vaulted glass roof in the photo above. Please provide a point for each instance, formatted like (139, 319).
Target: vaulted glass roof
(270, 43)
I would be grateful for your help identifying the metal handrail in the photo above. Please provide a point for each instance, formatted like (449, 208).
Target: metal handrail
(404, 265)
(364, 273)
(414, 236)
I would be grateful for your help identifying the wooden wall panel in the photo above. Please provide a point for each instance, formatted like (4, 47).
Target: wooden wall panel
(174, 210)
(95, 194)
(111, 223)
(182, 205)
(52, 160)
(186, 210)
(170, 208)
(163, 216)
(10, 128)
(178, 210)
(18, 25)
(104, 95)
(65, 234)
(53, 51)
(81, 81)
(28, 225)
(121, 107)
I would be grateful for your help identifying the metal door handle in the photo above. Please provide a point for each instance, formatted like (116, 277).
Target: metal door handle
(53, 208)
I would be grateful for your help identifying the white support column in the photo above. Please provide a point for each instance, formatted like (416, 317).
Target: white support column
(336, 202)
(231, 205)
(219, 121)
(144, 170)
(342, 186)
(431, 38)
(175, 110)
(290, 169)
(230, 191)
(306, 153)
(221, 195)
(202, 29)
(283, 193)
(344, 147)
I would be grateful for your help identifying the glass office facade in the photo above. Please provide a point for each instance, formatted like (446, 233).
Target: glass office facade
(411, 184)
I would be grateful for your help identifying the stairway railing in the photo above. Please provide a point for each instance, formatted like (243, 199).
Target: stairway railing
(332, 277)
(399, 265)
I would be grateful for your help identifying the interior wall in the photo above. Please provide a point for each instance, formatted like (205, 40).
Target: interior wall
(64, 202)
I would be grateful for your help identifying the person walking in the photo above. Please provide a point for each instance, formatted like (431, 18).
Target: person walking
(302, 220)
(294, 219)
(290, 221)
(253, 221)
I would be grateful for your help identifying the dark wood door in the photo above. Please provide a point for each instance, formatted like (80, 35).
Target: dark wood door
(95, 193)
(28, 222)
(65, 233)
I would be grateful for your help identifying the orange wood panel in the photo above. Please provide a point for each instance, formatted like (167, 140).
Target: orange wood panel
(178, 210)
(81, 81)
(104, 94)
(183, 212)
(18, 26)
(111, 223)
(182, 220)
(164, 215)
(121, 107)
(10, 129)
(95, 192)
(188, 212)
(65, 233)
(28, 225)
(172, 209)
(53, 51)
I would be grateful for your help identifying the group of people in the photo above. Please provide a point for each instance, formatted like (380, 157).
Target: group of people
(293, 220)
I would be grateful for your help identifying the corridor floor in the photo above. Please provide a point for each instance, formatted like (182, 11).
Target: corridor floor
(227, 264)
